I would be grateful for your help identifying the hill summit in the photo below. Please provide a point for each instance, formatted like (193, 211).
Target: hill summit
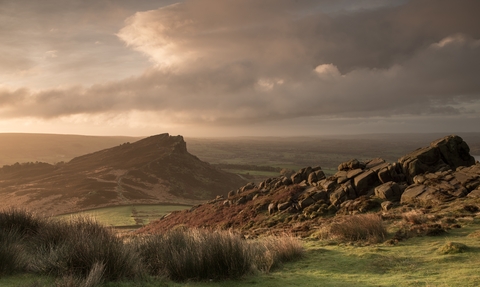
(157, 169)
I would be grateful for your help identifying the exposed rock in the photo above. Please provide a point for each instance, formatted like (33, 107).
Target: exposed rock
(474, 194)
(390, 191)
(272, 207)
(365, 181)
(338, 196)
(447, 153)
(353, 173)
(241, 200)
(320, 174)
(359, 205)
(312, 177)
(349, 165)
(375, 164)
(284, 205)
(412, 192)
(297, 178)
(387, 205)
(307, 202)
(320, 195)
(247, 187)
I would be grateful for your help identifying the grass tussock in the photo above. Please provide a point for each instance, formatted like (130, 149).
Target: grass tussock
(415, 217)
(183, 254)
(12, 256)
(368, 227)
(452, 248)
(81, 252)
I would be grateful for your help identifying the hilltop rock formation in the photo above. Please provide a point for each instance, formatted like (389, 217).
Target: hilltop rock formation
(439, 173)
(156, 169)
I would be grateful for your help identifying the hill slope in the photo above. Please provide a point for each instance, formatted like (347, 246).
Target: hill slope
(430, 177)
(153, 170)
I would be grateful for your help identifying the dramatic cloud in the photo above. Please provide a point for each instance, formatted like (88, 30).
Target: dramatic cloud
(217, 62)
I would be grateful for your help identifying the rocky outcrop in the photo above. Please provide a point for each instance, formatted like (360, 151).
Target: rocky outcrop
(442, 186)
(439, 173)
(444, 154)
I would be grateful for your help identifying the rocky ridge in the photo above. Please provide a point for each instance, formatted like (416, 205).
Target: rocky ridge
(439, 173)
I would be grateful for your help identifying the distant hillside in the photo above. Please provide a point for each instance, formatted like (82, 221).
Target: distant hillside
(52, 148)
(152, 170)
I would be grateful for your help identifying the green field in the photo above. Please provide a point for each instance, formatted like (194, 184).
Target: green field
(129, 216)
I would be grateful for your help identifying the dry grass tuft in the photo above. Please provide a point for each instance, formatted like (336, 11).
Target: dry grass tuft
(193, 254)
(368, 227)
(415, 217)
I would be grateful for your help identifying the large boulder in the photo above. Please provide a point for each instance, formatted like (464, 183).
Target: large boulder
(365, 182)
(447, 153)
(390, 191)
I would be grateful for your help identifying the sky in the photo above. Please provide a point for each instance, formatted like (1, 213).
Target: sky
(208, 68)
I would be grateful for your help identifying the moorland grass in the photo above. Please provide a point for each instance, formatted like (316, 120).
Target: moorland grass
(194, 254)
(367, 227)
(82, 252)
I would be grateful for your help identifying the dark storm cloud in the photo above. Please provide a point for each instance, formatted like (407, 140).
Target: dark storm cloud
(245, 61)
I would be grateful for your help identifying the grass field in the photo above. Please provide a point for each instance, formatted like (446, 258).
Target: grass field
(128, 216)
(413, 262)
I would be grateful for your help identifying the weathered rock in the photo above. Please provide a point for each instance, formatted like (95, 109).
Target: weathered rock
(412, 192)
(353, 173)
(365, 181)
(312, 178)
(389, 173)
(329, 185)
(349, 190)
(359, 205)
(474, 194)
(320, 195)
(307, 202)
(390, 191)
(447, 153)
(432, 192)
(306, 172)
(387, 205)
(248, 186)
(338, 196)
(320, 174)
(349, 165)
(284, 205)
(297, 178)
(376, 164)
(286, 180)
(241, 200)
(272, 207)
(231, 193)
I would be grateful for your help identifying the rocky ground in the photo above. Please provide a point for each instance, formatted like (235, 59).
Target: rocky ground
(436, 184)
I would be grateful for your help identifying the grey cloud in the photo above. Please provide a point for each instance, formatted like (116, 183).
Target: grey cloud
(237, 62)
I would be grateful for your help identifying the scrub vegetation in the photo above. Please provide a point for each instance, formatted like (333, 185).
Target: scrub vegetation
(82, 252)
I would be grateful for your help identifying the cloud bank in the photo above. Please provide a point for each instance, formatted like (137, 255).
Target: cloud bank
(240, 62)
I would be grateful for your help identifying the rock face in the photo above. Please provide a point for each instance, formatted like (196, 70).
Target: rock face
(444, 154)
(442, 186)
(441, 172)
